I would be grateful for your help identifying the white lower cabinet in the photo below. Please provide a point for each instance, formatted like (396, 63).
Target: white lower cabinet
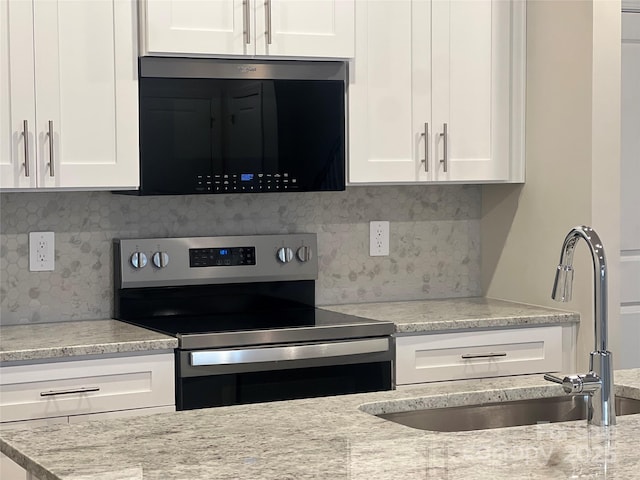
(10, 470)
(483, 353)
(70, 391)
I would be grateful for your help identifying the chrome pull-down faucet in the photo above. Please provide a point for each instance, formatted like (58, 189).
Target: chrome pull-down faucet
(598, 383)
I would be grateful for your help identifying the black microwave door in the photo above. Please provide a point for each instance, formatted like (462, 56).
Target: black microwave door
(311, 126)
(175, 144)
(241, 135)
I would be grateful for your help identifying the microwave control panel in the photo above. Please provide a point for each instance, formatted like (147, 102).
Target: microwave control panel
(246, 182)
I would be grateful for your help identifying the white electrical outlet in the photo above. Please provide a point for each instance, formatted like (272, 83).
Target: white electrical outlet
(41, 251)
(378, 239)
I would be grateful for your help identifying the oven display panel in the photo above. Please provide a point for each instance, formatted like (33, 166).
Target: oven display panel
(222, 257)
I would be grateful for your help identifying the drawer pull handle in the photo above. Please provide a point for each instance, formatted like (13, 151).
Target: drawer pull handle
(25, 133)
(51, 393)
(484, 355)
(246, 21)
(52, 171)
(425, 134)
(267, 16)
(445, 138)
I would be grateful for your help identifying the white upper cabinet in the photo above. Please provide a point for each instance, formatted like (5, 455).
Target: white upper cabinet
(69, 71)
(293, 28)
(194, 27)
(392, 55)
(17, 108)
(436, 92)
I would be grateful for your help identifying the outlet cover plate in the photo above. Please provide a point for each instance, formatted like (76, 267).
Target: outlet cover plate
(379, 239)
(41, 251)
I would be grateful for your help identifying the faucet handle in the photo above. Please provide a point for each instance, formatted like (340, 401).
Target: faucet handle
(567, 383)
(570, 383)
(553, 378)
(574, 384)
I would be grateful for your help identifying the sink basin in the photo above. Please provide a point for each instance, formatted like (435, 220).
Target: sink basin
(504, 414)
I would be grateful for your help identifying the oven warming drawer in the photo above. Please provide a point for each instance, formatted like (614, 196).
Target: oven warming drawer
(211, 378)
(289, 353)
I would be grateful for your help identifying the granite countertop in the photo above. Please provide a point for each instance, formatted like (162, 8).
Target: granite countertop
(456, 314)
(70, 339)
(335, 438)
(92, 337)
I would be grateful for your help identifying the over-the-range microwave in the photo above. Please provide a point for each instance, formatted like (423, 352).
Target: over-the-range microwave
(235, 126)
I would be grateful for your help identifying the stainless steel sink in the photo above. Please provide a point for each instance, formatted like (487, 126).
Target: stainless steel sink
(505, 414)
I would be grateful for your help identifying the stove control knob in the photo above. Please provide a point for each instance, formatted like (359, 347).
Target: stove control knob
(284, 254)
(304, 253)
(160, 259)
(138, 260)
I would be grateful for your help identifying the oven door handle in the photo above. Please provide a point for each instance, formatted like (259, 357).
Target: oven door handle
(287, 353)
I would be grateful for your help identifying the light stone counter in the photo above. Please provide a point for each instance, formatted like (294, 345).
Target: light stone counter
(457, 314)
(92, 337)
(334, 438)
(70, 339)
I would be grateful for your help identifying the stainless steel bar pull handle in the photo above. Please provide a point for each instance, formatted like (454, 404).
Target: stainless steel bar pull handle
(52, 393)
(52, 170)
(246, 20)
(425, 134)
(446, 155)
(289, 353)
(25, 134)
(467, 356)
(267, 16)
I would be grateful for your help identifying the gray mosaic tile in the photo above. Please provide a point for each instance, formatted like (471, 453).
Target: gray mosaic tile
(434, 242)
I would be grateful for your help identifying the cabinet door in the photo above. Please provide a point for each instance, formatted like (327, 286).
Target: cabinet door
(305, 28)
(630, 141)
(86, 93)
(629, 356)
(471, 83)
(9, 470)
(17, 109)
(389, 92)
(204, 27)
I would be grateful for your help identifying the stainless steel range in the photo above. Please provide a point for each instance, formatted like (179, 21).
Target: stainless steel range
(243, 310)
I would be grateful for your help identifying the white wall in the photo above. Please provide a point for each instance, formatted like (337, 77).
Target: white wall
(572, 173)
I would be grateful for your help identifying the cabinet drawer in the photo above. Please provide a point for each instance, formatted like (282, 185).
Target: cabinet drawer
(488, 353)
(79, 387)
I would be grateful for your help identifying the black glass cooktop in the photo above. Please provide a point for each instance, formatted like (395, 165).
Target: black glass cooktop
(238, 322)
(248, 314)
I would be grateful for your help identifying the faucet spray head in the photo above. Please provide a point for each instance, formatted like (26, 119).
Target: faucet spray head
(563, 283)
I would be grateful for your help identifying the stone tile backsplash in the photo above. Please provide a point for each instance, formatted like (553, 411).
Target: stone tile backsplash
(434, 244)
